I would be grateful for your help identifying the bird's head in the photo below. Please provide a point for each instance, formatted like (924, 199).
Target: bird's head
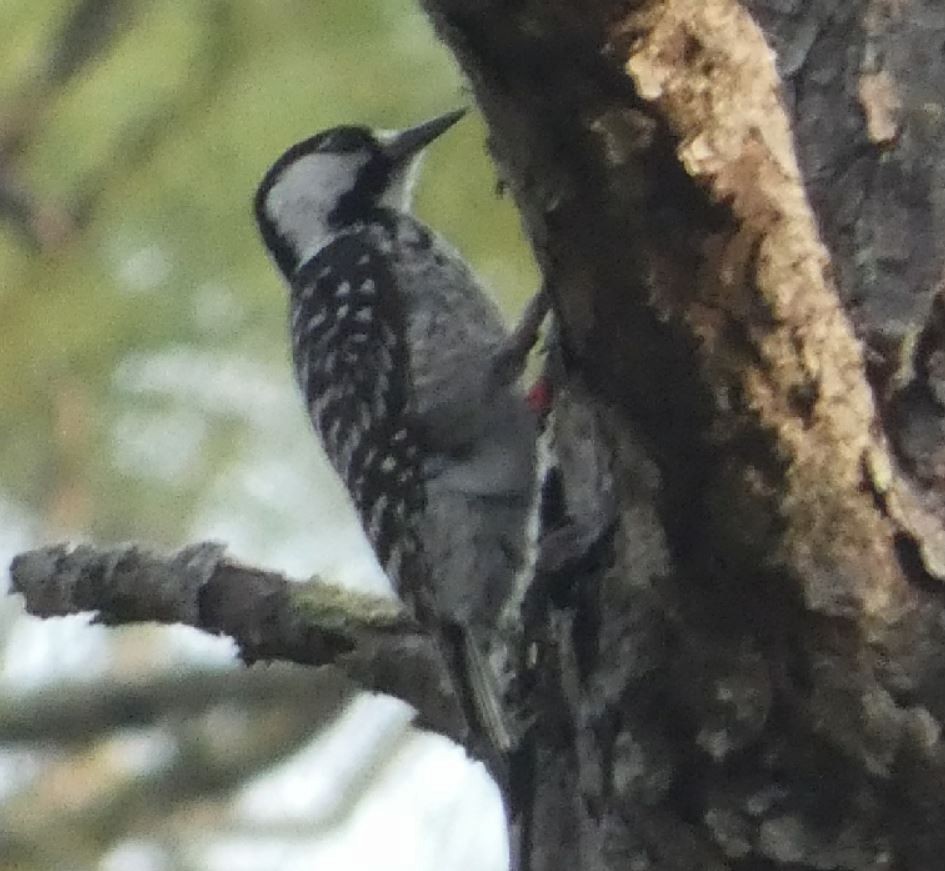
(336, 178)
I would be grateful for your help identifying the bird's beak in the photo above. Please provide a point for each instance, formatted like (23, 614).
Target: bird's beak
(401, 146)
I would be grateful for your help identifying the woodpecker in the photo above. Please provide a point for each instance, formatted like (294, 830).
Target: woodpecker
(409, 377)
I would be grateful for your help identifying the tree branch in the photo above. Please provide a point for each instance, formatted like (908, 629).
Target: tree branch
(371, 639)
(107, 802)
(78, 713)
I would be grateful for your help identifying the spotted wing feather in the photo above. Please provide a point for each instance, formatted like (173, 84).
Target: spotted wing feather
(351, 362)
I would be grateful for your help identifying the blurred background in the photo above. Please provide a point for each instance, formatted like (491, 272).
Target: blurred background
(145, 395)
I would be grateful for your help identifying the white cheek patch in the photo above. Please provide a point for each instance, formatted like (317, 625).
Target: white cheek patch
(399, 194)
(306, 193)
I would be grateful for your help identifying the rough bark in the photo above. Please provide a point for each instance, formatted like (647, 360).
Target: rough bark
(737, 210)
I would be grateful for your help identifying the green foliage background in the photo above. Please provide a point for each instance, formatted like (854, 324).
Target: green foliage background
(138, 131)
(145, 395)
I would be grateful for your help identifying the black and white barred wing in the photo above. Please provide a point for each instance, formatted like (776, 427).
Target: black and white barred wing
(351, 362)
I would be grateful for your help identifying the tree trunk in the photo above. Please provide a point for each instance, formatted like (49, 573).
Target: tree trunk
(737, 209)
